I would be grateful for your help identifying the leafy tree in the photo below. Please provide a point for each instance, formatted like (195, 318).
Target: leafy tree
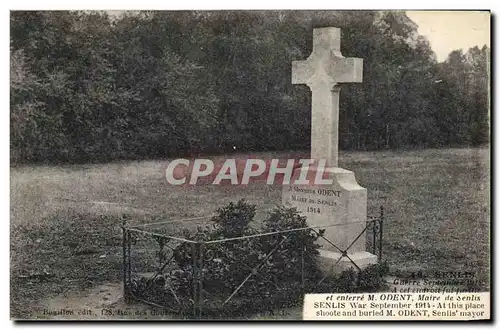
(153, 84)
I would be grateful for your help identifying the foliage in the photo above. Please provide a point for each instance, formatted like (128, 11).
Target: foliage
(88, 87)
(297, 252)
(234, 219)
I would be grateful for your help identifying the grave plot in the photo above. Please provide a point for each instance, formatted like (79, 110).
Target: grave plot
(225, 267)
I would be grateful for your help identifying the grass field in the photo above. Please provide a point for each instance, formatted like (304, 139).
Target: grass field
(65, 220)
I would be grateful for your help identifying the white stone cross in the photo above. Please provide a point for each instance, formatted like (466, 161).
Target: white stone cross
(322, 71)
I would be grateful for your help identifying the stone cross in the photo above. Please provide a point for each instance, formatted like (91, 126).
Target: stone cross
(322, 71)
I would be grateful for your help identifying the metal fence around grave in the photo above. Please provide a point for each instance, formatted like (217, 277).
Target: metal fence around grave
(207, 278)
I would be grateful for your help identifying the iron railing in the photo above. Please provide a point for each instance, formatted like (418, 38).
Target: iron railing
(157, 279)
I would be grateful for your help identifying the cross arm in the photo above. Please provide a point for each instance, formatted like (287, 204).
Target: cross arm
(331, 68)
(347, 70)
(302, 71)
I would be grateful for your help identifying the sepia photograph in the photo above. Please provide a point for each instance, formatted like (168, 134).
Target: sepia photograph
(250, 165)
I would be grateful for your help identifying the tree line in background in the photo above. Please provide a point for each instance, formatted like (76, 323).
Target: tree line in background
(86, 86)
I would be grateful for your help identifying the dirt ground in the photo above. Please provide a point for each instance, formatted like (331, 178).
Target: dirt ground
(105, 302)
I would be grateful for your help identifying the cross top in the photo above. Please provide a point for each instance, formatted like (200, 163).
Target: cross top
(322, 71)
(326, 63)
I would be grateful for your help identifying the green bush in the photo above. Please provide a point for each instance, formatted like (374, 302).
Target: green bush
(297, 252)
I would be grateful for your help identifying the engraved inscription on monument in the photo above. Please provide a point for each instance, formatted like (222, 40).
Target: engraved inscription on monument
(342, 202)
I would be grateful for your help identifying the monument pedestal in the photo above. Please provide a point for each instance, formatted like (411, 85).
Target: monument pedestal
(331, 199)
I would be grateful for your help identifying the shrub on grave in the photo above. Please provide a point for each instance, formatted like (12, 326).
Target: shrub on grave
(275, 261)
(220, 260)
(296, 256)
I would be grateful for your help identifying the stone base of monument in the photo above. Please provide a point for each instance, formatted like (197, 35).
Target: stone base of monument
(328, 264)
(338, 205)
